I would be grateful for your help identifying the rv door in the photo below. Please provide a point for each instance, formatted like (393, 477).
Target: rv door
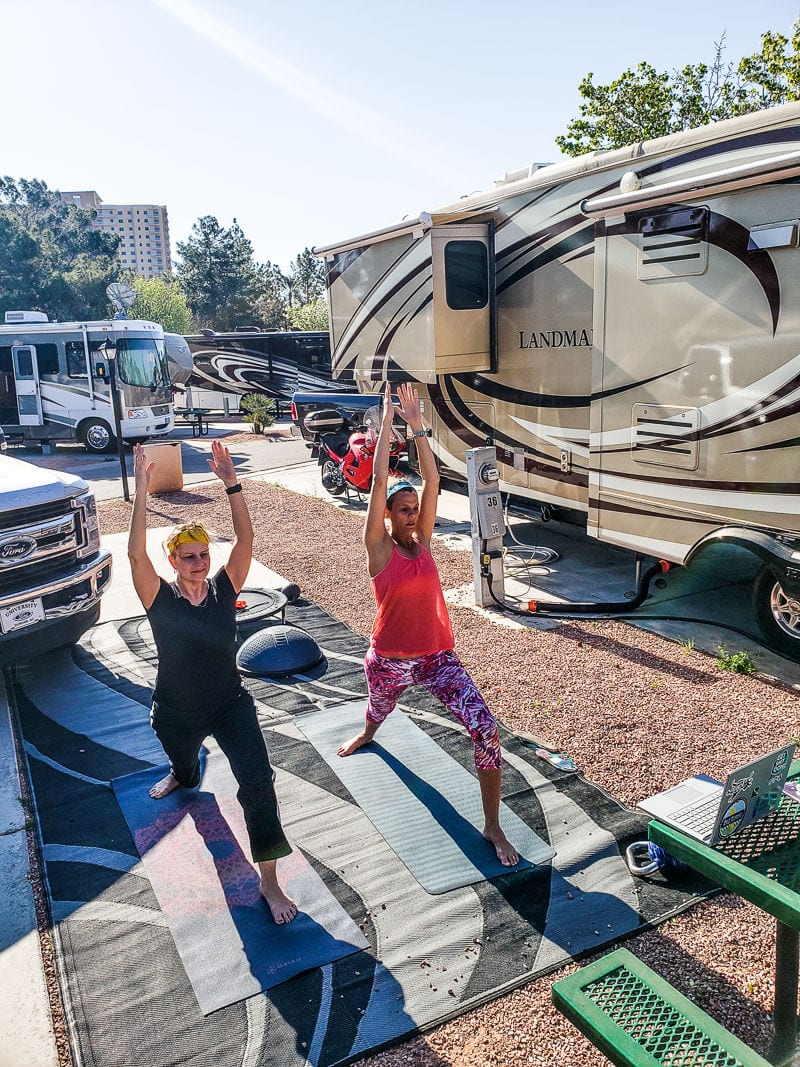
(26, 374)
(462, 263)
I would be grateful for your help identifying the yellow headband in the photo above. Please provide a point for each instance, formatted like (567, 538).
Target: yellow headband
(195, 532)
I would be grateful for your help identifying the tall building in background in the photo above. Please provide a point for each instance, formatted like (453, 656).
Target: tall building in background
(143, 229)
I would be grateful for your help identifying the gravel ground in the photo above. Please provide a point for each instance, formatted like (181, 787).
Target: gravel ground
(636, 712)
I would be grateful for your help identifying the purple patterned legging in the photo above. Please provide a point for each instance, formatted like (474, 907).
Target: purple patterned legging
(446, 677)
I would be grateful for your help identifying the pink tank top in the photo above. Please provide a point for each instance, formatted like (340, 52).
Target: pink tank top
(412, 617)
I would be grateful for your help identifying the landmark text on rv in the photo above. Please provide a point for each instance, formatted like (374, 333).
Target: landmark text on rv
(623, 328)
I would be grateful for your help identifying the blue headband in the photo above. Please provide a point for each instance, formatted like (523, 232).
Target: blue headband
(399, 487)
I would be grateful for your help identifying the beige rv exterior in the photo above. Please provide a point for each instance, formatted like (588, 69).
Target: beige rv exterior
(623, 327)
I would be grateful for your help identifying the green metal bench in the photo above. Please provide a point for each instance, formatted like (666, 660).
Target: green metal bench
(637, 1019)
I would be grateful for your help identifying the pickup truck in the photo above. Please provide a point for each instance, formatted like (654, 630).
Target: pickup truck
(52, 569)
(315, 413)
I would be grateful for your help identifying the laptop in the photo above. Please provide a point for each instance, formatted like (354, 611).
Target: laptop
(712, 811)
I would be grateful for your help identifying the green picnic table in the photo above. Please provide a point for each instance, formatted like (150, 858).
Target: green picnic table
(761, 864)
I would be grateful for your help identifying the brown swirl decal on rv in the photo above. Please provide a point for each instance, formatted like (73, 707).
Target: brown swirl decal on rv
(463, 423)
(728, 236)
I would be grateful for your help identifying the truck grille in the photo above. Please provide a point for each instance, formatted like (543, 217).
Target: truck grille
(13, 520)
(38, 572)
(40, 544)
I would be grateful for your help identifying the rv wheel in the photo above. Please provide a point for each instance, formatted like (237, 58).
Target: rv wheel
(778, 614)
(97, 436)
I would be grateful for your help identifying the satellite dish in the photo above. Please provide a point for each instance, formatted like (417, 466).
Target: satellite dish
(121, 296)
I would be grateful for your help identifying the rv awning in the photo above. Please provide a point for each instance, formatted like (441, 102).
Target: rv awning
(484, 205)
(424, 221)
(773, 168)
(418, 225)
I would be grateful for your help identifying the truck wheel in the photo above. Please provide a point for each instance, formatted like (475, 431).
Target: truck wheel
(97, 436)
(332, 478)
(777, 613)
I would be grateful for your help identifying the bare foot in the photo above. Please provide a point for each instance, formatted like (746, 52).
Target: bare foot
(283, 908)
(355, 742)
(164, 787)
(506, 852)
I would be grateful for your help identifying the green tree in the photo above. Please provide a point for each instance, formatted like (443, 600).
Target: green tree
(773, 74)
(271, 304)
(644, 103)
(218, 274)
(162, 300)
(51, 258)
(306, 278)
(311, 316)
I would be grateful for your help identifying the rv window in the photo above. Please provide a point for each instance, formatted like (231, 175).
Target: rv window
(76, 359)
(25, 363)
(47, 358)
(142, 361)
(466, 273)
(5, 359)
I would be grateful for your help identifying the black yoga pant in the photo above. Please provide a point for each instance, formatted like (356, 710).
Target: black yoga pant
(236, 731)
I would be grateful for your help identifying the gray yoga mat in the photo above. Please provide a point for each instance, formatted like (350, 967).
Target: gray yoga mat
(424, 804)
(194, 847)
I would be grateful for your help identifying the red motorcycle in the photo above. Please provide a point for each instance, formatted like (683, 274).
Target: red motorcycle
(346, 459)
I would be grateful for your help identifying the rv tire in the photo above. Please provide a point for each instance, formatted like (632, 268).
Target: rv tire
(777, 613)
(97, 436)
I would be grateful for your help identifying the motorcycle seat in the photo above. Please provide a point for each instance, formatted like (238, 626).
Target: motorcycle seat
(336, 442)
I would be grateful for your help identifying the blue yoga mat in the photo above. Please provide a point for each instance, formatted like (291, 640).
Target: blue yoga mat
(424, 804)
(194, 847)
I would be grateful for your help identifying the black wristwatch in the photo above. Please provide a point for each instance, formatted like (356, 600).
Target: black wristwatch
(231, 489)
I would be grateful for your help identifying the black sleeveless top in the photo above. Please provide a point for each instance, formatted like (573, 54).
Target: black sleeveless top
(196, 647)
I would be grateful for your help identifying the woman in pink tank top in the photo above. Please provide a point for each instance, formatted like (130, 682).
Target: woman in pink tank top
(412, 640)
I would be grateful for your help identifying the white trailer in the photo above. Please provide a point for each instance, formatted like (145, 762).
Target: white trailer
(623, 328)
(55, 380)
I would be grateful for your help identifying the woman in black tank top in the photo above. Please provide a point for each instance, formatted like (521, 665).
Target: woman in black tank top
(198, 692)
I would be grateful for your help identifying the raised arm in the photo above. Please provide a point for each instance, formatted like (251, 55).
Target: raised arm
(409, 409)
(242, 552)
(145, 578)
(376, 539)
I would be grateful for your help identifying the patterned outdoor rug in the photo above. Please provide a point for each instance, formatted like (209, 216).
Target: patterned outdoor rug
(84, 722)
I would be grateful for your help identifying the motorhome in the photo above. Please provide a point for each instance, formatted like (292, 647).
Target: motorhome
(250, 360)
(56, 380)
(624, 328)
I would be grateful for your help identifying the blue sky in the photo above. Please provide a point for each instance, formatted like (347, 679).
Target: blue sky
(314, 121)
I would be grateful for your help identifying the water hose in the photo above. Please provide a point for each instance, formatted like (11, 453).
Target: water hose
(535, 607)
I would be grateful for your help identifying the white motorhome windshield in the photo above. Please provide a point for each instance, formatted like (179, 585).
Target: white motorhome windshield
(143, 361)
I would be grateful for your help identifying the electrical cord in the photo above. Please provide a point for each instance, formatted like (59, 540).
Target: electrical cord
(572, 611)
(537, 555)
(577, 610)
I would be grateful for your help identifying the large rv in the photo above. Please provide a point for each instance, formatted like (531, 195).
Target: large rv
(277, 363)
(55, 380)
(624, 328)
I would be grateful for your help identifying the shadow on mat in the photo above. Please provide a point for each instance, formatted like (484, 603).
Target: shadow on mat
(471, 841)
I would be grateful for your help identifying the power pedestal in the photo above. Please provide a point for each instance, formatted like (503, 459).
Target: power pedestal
(488, 527)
